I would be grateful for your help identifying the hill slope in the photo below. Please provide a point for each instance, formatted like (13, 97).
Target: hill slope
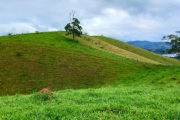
(30, 62)
(149, 55)
(131, 89)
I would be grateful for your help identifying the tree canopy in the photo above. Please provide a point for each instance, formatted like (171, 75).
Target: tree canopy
(174, 41)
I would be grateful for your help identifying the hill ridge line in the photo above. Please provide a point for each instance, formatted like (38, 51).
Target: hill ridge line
(107, 47)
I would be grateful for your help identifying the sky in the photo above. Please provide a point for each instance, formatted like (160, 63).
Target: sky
(125, 20)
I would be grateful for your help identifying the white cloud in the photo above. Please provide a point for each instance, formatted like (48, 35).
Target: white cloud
(52, 29)
(17, 28)
(125, 20)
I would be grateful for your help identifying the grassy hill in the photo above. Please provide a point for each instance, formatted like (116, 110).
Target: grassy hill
(30, 62)
(115, 80)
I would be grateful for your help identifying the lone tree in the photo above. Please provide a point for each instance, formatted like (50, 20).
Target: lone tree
(174, 41)
(73, 27)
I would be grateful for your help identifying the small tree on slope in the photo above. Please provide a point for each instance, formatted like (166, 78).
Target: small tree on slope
(73, 27)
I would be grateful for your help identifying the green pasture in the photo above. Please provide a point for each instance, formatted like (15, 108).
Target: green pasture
(90, 77)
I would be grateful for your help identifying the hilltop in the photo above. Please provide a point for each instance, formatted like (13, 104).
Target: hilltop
(32, 61)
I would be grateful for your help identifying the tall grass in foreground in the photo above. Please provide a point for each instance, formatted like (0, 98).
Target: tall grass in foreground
(126, 103)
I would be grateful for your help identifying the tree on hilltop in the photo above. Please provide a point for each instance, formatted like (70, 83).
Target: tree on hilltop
(174, 41)
(73, 27)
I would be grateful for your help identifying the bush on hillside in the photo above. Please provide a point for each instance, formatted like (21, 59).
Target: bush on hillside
(43, 95)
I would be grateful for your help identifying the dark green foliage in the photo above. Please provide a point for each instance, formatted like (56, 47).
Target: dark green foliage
(9, 34)
(174, 41)
(37, 32)
(42, 96)
(18, 54)
(73, 27)
(102, 47)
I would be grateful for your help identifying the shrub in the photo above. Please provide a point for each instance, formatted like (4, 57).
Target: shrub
(18, 54)
(102, 47)
(43, 95)
(9, 34)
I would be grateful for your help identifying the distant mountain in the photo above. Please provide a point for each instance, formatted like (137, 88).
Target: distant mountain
(157, 47)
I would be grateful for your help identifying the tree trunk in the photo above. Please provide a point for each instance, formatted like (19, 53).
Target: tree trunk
(73, 32)
(73, 35)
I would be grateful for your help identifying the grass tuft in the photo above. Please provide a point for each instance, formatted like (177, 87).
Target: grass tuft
(19, 54)
(43, 96)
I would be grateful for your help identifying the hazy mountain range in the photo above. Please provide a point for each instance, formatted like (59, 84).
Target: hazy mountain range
(157, 47)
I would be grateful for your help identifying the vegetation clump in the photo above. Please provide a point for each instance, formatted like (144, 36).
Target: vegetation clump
(174, 42)
(18, 54)
(43, 95)
(9, 34)
(37, 32)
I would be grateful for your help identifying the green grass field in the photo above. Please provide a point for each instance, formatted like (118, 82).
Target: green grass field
(113, 103)
(91, 78)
